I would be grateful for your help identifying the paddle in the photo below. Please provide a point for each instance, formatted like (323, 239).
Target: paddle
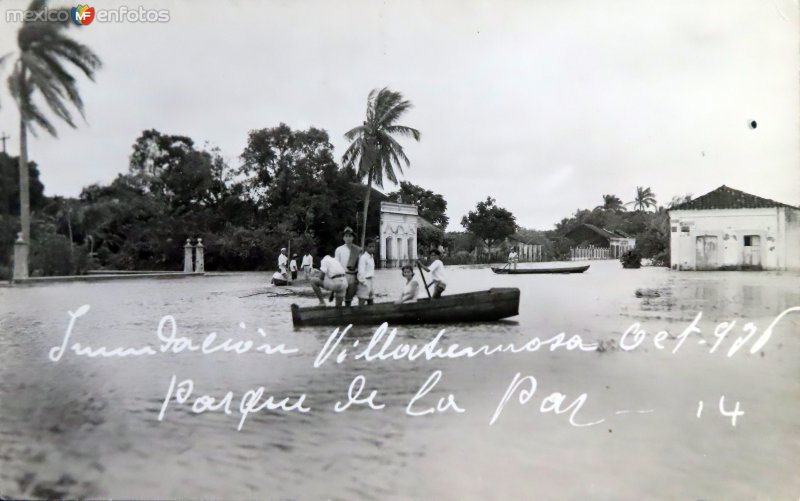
(423, 280)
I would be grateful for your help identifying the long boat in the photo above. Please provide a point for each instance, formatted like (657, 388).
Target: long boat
(526, 271)
(483, 306)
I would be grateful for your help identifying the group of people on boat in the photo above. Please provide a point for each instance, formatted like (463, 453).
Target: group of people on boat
(287, 268)
(348, 274)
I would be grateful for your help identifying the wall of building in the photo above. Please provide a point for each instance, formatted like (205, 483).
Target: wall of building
(398, 234)
(791, 244)
(733, 238)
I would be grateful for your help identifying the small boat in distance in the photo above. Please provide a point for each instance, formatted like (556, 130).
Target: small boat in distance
(483, 306)
(526, 271)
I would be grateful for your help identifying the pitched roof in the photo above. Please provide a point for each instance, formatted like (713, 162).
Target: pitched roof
(600, 231)
(729, 198)
(535, 239)
(424, 223)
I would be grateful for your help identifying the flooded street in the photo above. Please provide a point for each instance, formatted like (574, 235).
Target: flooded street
(89, 427)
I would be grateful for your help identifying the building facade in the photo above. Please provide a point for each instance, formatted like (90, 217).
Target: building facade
(398, 234)
(588, 236)
(731, 229)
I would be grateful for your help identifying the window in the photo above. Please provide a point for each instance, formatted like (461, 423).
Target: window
(685, 228)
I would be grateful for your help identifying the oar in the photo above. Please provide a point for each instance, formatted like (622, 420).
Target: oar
(423, 279)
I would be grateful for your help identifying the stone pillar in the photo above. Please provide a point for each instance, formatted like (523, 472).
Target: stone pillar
(187, 256)
(199, 261)
(402, 250)
(20, 258)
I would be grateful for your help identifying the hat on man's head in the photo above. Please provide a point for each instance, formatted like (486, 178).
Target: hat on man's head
(283, 249)
(348, 231)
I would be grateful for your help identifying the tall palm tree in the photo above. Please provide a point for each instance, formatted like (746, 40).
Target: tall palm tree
(41, 70)
(645, 198)
(611, 202)
(374, 153)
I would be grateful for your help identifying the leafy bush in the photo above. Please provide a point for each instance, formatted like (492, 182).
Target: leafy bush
(631, 259)
(52, 255)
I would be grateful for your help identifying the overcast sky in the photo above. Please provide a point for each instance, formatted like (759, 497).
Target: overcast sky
(544, 105)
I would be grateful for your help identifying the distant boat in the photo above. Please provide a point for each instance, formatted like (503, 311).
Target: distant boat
(526, 271)
(483, 306)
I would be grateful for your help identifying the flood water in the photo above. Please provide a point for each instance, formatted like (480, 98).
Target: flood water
(88, 427)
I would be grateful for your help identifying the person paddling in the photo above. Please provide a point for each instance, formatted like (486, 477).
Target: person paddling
(436, 269)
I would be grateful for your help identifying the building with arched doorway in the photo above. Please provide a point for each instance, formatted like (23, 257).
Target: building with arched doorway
(398, 234)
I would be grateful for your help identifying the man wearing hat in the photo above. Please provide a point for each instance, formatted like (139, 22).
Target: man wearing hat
(283, 262)
(347, 254)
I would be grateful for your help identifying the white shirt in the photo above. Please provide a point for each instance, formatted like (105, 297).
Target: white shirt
(331, 267)
(513, 256)
(293, 265)
(282, 262)
(437, 271)
(307, 261)
(342, 255)
(366, 266)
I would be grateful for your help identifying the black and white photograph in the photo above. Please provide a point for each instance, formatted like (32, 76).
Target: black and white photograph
(368, 250)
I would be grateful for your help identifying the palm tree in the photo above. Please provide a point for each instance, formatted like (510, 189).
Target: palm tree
(645, 198)
(374, 153)
(44, 51)
(611, 202)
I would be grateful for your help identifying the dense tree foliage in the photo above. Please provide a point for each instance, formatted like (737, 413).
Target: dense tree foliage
(432, 206)
(9, 186)
(490, 222)
(174, 190)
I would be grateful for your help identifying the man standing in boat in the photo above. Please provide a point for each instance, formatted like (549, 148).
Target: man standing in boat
(436, 269)
(347, 254)
(513, 258)
(283, 263)
(366, 271)
(329, 276)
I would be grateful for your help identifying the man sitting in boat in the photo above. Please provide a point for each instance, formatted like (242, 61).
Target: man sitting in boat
(278, 278)
(329, 276)
(411, 287)
(436, 269)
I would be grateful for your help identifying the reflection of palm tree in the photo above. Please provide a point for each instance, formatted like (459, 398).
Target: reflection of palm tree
(43, 52)
(373, 151)
(645, 198)
(611, 202)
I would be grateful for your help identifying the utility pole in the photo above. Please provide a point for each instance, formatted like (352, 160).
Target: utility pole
(3, 138)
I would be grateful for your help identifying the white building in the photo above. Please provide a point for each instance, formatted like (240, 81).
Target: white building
(731, 229)
(398, 238)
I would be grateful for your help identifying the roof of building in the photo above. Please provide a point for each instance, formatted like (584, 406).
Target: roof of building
(729, 198)
(424, 223)
(535, 239)
(600, 231)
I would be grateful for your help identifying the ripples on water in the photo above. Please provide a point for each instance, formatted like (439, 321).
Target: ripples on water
(88, 427)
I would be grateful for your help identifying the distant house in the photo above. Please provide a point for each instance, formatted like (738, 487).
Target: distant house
(589, 234)
(731, 229)
(529, 247)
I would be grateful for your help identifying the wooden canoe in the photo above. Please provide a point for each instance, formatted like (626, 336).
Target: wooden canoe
(482, 306)
(526, 271)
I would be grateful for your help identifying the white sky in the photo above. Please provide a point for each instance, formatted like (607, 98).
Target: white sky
(544, 105)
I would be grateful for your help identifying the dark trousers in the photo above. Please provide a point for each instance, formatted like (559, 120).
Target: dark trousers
(352, 286)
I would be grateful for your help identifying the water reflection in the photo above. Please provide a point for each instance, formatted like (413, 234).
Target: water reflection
(89, 428)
